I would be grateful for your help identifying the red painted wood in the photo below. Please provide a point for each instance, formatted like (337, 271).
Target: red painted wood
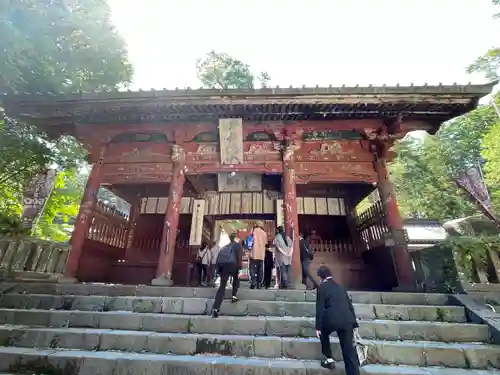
(290, 207)
(167, 246)
(387, 193)
(83, 220)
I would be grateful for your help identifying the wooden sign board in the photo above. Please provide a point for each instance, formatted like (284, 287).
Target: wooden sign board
(231, 141)
(196, 234)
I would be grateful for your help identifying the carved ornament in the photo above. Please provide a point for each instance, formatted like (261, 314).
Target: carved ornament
(137, 173)
(177, 154)
(289, 150)
(142, 154)
(332, 148)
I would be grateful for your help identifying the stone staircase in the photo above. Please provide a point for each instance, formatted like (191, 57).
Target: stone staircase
(66, 329)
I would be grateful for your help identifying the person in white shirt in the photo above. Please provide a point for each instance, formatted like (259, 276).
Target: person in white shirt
(214, 252)
(203, 260)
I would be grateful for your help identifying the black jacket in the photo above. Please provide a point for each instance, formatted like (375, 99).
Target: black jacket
(238, 253)
(304, 251)
(334, 308)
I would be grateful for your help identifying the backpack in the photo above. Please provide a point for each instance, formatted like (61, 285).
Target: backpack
(249, 242)
(226, 255)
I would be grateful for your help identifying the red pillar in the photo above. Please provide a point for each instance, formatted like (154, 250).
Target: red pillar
(167, 246)
(402, 257)
(83, 221)
(290, 209)
(135, 212)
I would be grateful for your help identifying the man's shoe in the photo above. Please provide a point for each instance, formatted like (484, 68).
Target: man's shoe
(252, 286)
(215, 313)
(328, 363)
(234, 299)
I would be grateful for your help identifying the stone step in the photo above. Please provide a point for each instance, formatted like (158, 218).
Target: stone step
(22, 360)
(200, 306)
(390, 298)
(413, 353)
(268, 326)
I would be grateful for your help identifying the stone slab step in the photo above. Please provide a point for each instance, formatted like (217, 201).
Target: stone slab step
(269, 326)
(391, 298)
(105, 363)
(415, 353)
(200, 306)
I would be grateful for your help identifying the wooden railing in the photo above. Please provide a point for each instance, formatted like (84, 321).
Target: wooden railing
(371, 226)
(32, 255)
(339, 245)
(109, 226)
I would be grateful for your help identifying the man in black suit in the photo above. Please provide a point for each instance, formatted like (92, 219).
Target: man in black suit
(335, 313)
(306, 257)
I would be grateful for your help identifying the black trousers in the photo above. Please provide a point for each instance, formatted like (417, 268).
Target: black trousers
(256, 268)
(268, 269)
(225, 271)
(202, 273)
(346, 339)
(306, 274)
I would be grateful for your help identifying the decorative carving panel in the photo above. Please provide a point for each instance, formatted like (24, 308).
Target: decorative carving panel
(261, 151)
(239, 182)
(338, 171)
(344, 151)
(201, 152)
(136, 173)
(215, 167)
(137, 153)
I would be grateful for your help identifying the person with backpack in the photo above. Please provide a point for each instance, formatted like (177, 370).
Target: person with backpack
(229, 262)
(306, 257)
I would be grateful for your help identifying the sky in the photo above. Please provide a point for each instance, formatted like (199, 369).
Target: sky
(314, 42)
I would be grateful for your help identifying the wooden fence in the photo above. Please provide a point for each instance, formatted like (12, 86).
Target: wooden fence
(32, 255)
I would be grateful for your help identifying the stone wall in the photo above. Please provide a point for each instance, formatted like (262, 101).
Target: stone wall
(436, 270)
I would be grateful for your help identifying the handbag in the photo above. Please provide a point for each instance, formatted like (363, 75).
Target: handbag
(361, 349)
(199, 259)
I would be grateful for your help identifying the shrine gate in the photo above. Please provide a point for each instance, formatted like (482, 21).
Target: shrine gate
(186, 159)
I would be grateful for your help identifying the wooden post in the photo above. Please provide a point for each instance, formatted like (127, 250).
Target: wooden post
(83, 221)
(290, 209)
(135, 212)
(169, 235)
(402, 258)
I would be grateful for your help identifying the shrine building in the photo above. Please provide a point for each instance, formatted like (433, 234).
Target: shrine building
(191, 161)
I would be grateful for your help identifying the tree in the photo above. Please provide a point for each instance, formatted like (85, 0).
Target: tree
(489, 63)
(425, 169)
(62, 206)
(60, 46)
(52, 46)
(424, 186)
(491, 153)
(221, 71)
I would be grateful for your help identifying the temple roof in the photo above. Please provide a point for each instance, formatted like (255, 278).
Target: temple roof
(433, 104)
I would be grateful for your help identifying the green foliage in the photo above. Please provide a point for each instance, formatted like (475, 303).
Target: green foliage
(489, 63)
(221, 71)
(425, 167)
(52, 46)
(11, 225)
(62, 206)
(424, 187)
(491, 152)
(59, 46)
(472, 252)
